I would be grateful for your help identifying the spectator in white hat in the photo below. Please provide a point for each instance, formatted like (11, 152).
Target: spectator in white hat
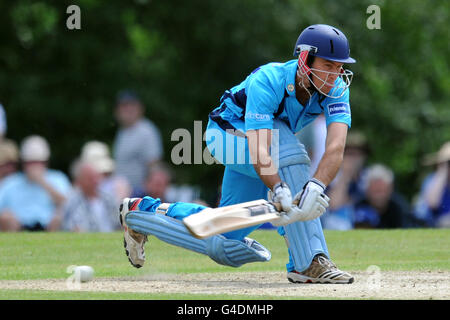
(113, 184)
(88, 209)
(32, 199)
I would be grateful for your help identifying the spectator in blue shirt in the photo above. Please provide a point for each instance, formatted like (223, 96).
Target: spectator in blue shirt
(433, 205)
(382, 206)
(32, 199)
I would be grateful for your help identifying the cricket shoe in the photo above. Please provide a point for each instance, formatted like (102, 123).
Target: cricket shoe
(321, 270)
(132, 241)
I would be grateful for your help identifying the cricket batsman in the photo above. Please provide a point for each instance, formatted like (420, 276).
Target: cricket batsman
(252, 133)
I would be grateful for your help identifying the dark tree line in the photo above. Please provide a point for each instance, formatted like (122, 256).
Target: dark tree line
(181, 55)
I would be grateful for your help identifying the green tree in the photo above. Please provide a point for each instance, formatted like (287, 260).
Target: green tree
(181, 56)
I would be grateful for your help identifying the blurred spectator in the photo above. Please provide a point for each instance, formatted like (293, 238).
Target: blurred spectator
(2, 122)
(138, 142)
(346, 189)
(88, 209)
(9, 158)
(32, 200)
(98, 154)
(158, 184)
(433, 205)
(381, 206)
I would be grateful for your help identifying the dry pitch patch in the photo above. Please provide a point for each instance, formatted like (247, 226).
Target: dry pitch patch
(384, 285)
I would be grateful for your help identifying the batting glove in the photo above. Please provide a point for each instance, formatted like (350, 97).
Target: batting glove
(281, 194)
(311, 202)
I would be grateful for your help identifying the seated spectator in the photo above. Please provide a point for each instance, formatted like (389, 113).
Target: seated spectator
(9, 158)
(158, 182)
(88, 209)
(346, 189)
(138, 142)
(381, 206)
(32, 200)
(433, 205)
(98, 154)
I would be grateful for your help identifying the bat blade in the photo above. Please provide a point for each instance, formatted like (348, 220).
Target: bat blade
(212, 221)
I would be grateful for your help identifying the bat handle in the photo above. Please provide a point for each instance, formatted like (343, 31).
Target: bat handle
(278, 207)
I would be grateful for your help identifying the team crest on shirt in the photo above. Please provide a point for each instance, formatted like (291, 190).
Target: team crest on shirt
(338, 108)
(291, 87)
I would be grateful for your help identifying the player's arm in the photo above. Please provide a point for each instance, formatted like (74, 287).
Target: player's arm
(312, 201)
(334, 153)
(259, 142)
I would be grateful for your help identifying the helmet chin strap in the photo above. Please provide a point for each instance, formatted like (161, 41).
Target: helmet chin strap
(311, 88)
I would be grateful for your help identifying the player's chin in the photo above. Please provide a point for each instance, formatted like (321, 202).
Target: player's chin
(327, 88)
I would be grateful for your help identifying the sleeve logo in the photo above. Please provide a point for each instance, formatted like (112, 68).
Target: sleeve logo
(257, 116)
(338, 108)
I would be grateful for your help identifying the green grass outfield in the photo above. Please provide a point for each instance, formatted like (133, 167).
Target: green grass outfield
(26, 256)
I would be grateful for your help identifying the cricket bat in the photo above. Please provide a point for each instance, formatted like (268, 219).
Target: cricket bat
(212, 221)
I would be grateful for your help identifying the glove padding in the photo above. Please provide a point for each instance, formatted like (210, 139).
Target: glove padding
(308, 204)
(281, 194)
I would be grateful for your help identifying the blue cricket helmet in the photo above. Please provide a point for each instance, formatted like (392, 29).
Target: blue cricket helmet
(324, 41)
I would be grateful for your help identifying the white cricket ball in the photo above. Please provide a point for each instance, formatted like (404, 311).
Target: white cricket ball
(84, 273)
